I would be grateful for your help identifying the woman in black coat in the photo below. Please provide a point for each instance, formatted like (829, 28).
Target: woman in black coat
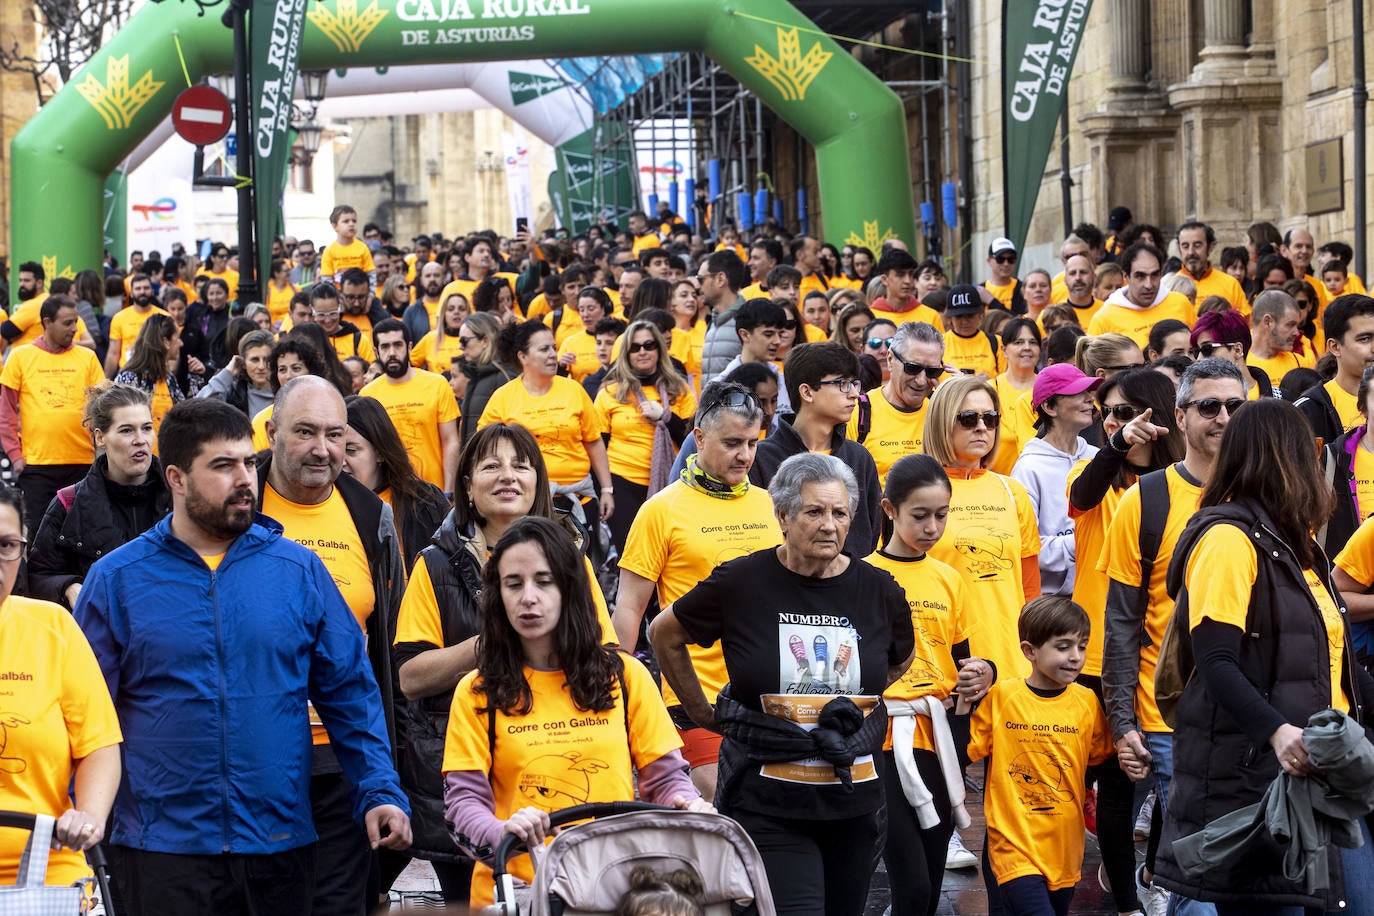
(121, 497)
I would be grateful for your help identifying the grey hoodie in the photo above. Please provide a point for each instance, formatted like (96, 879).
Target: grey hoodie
(1044, 471)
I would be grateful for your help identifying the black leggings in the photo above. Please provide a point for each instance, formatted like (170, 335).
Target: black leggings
(628, 498)
(1115, 820)
(815, 868)
(915, 857)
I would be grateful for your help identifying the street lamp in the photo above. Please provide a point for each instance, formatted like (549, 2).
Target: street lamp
(313, 83)
(310, 133)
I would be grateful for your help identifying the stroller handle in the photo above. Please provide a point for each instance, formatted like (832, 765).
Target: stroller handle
(510, 843)
(17, 819)
(21, 820)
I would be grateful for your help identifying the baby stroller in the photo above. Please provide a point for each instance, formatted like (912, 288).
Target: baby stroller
(30, 897)
(586, 869)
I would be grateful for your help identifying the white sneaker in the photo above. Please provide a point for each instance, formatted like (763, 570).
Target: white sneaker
(1144, 817)
(958, 855)
(1154, 900)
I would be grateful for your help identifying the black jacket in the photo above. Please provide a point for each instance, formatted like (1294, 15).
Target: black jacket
(482, 384)
(1221, 764)
(421, 523)
(1315, 404)
(377, 530)
(456, 575)
(866, 525)
(88, 520)
(203, 336)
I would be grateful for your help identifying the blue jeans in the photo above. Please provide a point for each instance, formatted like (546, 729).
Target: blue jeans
(1161, 748)
(1359, 877)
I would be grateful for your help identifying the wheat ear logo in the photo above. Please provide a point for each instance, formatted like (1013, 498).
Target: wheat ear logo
(115, 100)
(790, 72)
(345, 26)
(871, 239)
(50, 268)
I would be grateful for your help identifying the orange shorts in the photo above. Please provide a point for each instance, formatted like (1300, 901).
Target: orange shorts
(700, 746)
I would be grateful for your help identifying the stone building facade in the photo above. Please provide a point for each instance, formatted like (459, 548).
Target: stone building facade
(1184, 109)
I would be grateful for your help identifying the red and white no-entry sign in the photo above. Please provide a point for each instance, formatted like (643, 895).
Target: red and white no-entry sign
(201, 115)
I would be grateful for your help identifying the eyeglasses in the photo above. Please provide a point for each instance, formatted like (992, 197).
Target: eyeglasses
(843, 385)
(789, 325)
(11, 550)
(1125, 413)
(1209, 408)
(467, 341)
(1005, 258)
(932, 372)
(1207, 349)
(650, 345)
(330, 314)
(968, 419)
(356, 299)
(880, 343)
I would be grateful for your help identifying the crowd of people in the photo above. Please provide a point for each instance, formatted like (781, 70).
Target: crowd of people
(434, 542)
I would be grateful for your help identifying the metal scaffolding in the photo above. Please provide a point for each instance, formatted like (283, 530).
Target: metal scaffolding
(754, 151)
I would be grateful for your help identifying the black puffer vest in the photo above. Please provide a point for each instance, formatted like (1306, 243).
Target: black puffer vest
(457, 580)
(1217, 767)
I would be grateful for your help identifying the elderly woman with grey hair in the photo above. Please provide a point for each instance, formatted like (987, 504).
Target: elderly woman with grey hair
(811, 637)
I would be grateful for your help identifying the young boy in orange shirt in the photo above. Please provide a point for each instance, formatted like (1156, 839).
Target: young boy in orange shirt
(346, 251)
(1040, 735)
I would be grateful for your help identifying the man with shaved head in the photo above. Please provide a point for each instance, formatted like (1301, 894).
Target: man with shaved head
(301, 484)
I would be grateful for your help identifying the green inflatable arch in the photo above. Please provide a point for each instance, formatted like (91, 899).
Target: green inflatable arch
(62, 157)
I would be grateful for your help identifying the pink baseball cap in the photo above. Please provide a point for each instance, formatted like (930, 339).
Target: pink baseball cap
(1061, 378)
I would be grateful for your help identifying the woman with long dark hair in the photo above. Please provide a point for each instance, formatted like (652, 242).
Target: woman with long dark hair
(578, 718)
(646, 407)
(1272, 648)
(157, 368)
(376, 457)
(500, 478)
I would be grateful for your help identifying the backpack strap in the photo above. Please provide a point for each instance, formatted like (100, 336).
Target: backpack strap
(556, 318)
(865, 424)
(992, 345)
(1154, 514)
(67, 495)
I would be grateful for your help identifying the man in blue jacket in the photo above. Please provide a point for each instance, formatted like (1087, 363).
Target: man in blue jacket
(212, 631)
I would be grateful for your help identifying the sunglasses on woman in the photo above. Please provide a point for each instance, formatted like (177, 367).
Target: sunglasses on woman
(880, 343)
(969, 419)
(1205, 350)
(651, 345)
(1123, 413)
